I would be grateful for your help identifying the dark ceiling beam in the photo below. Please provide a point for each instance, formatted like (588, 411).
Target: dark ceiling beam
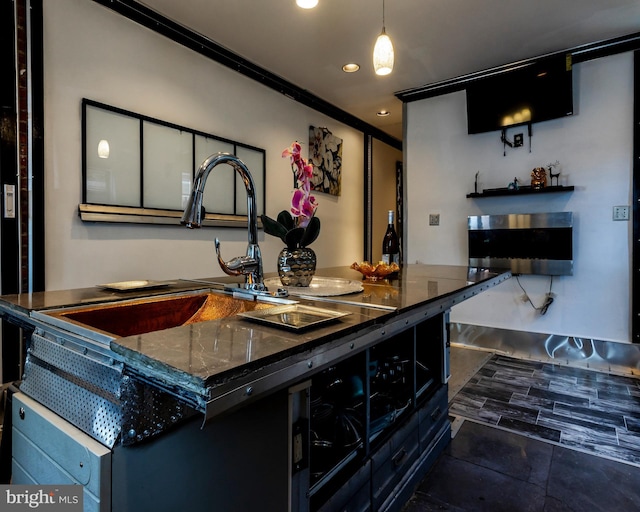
(212, 50)
(582, 53)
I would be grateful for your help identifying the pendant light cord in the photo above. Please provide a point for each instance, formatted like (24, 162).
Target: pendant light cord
(382, 15)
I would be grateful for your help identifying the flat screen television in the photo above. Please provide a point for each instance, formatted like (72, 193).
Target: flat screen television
(535, 92)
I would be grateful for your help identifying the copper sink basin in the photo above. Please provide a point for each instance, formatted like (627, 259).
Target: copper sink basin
(154, 314)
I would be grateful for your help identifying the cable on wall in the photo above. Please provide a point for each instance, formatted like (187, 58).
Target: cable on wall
(547, 301)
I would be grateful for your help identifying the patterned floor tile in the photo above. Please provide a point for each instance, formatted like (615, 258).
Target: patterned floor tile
(630, 440)
(537, 431)
(581, 409)
(566, 386)
(622, 401)
(540, 404)
(633, 425)
(481, 390)
(510, 410)
(565, 397)
(563, 423)
(595, 416)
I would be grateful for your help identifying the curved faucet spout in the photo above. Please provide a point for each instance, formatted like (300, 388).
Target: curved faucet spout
(250, 265)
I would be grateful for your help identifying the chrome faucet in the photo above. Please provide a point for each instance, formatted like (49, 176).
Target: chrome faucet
(250, 265)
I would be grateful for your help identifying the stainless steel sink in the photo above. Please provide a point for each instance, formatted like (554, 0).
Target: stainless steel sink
(130, 318)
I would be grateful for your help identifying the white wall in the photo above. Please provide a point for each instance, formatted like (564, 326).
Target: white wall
(594, 147)
(92, 52)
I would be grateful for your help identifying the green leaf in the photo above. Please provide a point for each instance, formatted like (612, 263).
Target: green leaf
(274, 228)
(285, 218)
(311, 232)
(293, 237)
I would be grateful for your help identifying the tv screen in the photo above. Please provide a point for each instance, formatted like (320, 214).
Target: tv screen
(533, 93)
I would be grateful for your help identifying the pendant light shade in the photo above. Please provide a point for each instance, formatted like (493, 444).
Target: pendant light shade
(383, 54)
(307, 4)
(383, 51)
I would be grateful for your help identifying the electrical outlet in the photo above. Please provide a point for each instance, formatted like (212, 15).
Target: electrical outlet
(620, 213)
(518, 140)
(434, 219)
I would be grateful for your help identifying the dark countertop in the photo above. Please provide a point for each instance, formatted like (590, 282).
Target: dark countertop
(26, 303)
(209, 350)
(405, 290)
(204, 356)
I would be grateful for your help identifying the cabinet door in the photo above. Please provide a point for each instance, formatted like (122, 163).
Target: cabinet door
(391, 382)
(48, 450)
(337, 418)
(431, 356)
(337, 431)
(432, 415)
(354, 495)
(393, 460)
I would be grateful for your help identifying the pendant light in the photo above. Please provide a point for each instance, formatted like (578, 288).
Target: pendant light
(383, 51)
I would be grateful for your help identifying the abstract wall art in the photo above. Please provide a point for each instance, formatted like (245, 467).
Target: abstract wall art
(325, 152)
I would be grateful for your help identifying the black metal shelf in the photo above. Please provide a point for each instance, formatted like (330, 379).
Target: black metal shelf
(495, 192)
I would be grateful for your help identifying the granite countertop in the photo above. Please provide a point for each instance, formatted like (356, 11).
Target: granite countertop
(207, 355)
(207, 351)
(414, 285)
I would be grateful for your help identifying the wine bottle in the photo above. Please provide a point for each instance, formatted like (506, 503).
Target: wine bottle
(390, 244)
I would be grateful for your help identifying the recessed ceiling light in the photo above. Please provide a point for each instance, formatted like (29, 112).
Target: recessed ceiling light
(307, 4)
(383, 113)
(351, 67)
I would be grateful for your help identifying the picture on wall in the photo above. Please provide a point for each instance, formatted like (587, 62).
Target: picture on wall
(325, 153)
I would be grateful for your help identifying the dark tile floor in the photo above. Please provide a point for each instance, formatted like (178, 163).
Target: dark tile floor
(537, 437)
(488, 469)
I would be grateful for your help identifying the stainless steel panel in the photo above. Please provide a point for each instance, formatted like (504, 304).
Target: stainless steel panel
(539, 243)
(80, 389)
(605, 356)
(521, 221)
(526, 266)
(48, 450)
(91, 413)
(446, 351)
(148, 411)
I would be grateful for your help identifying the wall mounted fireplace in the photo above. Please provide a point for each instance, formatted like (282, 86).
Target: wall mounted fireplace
(532, 243)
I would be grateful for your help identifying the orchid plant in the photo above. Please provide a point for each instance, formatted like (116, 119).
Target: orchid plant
(298, 227)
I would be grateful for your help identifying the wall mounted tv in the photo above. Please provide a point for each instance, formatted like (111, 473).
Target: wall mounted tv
(534, 92)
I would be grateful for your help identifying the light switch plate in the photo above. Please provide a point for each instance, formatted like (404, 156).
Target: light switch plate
(9, 201)
(620, 213)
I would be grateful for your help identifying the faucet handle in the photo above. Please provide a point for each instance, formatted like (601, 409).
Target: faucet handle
(241, 265)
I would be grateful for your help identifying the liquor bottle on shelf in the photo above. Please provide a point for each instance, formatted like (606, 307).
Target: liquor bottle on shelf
(390, 244)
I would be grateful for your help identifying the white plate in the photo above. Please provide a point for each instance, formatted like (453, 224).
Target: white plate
(319, 286)
(126, 286)
(293, 316)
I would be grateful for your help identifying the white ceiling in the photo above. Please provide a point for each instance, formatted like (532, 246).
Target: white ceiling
(434, 40)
